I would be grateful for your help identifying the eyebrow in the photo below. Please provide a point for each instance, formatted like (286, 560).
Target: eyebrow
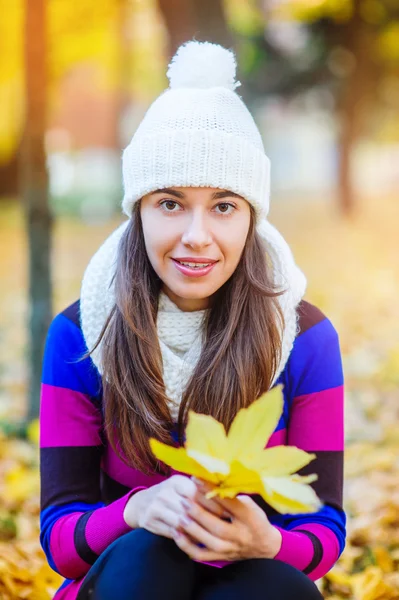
(215, 196)
(224, 194)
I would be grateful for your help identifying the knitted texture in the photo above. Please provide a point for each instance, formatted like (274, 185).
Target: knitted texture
(198, 133)
(179, 334)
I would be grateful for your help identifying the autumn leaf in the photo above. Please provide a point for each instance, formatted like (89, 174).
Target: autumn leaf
(239, 463)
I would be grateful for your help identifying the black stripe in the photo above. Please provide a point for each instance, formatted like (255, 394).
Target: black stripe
(329, 466)
(72, 313)
(70, 474)
(317, 550)
(308, 316)
(79, 537)
(112, 490)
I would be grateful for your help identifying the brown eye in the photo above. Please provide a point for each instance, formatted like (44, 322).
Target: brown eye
(169, 205)
(224, 208)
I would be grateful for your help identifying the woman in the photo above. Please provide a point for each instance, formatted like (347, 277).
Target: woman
(195, 302)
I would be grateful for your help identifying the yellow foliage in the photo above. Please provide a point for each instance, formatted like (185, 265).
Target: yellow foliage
(239, 463)
(80, 33)
(312, 10)
(370, 585)
(24, 573)
(388, 46)
(33, 431)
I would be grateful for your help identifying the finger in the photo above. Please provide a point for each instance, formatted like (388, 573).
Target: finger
(169, 518)
(184, 486)
(175, 502)
(234, 506)
(201, 535)
(211, 523)
(194, 551)
(203, 486)
(210, 505)
(160, 528)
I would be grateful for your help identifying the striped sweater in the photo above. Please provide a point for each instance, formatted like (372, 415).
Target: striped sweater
(85, 486)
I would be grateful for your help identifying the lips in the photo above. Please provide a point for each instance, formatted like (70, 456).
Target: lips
(194, 260)
(198, 269)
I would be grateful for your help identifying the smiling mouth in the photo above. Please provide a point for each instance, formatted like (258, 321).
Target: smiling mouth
(194, 265)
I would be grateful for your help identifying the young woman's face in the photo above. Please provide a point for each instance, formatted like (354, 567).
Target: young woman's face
(187, 224)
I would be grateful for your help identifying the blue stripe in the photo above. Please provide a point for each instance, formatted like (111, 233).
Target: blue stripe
(65, 345)
(328, 516)
(315, 362)
(66, 582)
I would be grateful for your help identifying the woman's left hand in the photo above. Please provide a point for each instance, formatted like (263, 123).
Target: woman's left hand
(249, 534)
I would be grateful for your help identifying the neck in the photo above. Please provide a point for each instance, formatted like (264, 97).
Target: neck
(187, 304)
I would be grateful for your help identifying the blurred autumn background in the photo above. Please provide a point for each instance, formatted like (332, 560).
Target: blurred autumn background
(322, 80)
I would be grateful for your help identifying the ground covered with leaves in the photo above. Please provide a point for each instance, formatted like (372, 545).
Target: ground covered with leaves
(350, 268)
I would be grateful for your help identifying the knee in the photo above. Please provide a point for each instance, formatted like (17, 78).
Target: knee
(289, 582)
(297, 580)
(126, 568)
(142, 543)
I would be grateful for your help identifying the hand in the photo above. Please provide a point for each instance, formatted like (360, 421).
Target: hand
(249, 534)
(160, 508)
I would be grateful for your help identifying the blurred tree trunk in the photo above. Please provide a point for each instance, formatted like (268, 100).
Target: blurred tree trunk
(356, 91)
(203, 20)
(34, 188)
(9, 178)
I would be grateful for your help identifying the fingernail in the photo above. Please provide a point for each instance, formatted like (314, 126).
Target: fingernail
(186, 504)
(185, 521)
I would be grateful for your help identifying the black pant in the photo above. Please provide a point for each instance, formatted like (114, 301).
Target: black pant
(143, 566)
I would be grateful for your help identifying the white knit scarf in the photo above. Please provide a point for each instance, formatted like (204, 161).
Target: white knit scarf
(179, 331)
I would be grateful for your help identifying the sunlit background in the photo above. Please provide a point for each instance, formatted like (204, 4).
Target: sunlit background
(322, 80)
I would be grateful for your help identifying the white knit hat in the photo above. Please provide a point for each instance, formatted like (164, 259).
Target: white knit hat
(197, 133)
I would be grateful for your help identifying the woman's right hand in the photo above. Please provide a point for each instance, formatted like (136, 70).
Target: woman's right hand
(160, 507)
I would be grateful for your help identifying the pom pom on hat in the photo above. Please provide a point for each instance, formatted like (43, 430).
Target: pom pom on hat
(203, 65)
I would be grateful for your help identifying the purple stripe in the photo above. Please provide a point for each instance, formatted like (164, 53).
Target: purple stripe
(278, 438)
(62, 548)
(107, 524)
(317, 421)
(296, 549)
(330, 545)
(68, 418)
(122, 473)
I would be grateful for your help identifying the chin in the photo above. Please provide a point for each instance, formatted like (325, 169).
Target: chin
(200, 293)
(195, 291)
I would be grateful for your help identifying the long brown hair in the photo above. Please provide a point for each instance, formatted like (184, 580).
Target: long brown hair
(241, 349)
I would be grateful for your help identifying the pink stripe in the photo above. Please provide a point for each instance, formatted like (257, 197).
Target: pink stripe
(70, 591)
(62, 547)
(106, 524)
(296, 549)
(278, 438)
(118, 470)
(330, 545)
(317, 421)
(68, 418)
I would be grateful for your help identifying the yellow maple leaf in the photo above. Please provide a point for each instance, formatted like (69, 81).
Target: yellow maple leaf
(239, 463)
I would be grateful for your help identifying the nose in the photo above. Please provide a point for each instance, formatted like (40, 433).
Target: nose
(197, 234)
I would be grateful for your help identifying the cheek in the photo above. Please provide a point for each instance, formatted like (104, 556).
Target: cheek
(157, 247)
(233, 245)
